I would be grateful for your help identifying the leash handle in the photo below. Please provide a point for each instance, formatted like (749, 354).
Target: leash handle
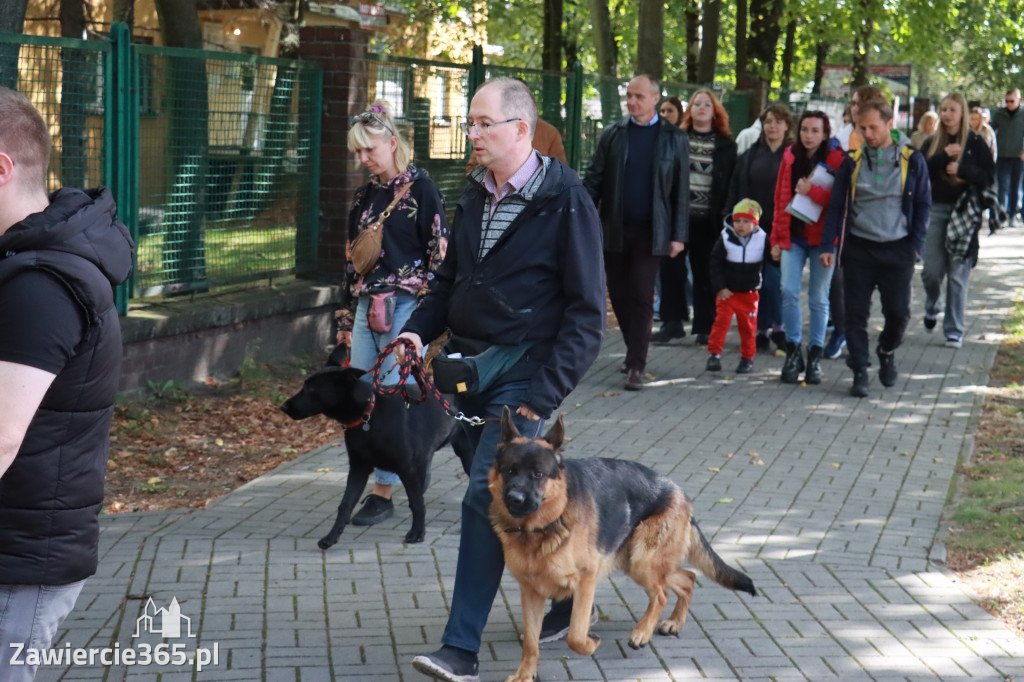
(412, 366)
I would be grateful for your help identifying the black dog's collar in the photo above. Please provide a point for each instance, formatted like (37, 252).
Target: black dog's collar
(364, 418)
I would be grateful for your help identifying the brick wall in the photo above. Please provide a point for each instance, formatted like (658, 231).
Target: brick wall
(342, 52)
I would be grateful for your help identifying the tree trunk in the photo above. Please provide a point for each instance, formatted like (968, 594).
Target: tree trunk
(187, 140)
(741, 40)
(761, 47)
(821, 51)
(76, 89)
(551, 62)
(12, 20)
(788, 53)
(862, 43)
(650, 38)
(607, 61)
(692, 40)
(710, 25)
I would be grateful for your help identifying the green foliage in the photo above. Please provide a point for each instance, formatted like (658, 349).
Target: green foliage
(167, 390)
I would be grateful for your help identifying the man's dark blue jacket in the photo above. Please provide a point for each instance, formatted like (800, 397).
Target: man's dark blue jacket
(542, 282)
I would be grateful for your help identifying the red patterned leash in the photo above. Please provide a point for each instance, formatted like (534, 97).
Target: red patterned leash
(412, 366)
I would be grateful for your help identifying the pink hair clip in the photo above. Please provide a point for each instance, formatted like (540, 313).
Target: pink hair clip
(378, 109)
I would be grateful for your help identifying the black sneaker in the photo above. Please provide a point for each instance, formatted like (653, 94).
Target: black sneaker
(668, 333)
(702, 339)
(375, 509)
(763, 342)
(887, 372)
(555, 625)
(449, 664)
(745, 367)
(929, 323)
(860, 383)
(779, 339)
(714, 364)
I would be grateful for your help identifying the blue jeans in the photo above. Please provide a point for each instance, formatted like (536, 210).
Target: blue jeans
(30, 615)
(769, 307)
(1009, 173)
(792, 267)
(366, 346)
(938, 264)
(481, 558)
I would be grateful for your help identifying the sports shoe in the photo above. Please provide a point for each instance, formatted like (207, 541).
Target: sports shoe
(634, 380)
(929, 323)
(763, 342)
(887, 372)
(954, 342)
(449, 664)
(555, 625)
(860, 383)
(714, 363)
(702, 339)
(375, 509)
(746, 366)
(668, 333)
(835, 345)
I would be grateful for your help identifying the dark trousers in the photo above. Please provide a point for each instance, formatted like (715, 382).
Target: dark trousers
(673, 274)
(888, 267)
(630, 276)
(481, 558)
(703, 233)
(1009, 173)
(837, 300)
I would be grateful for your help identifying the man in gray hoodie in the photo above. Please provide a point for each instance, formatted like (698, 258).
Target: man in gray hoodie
(880, 205)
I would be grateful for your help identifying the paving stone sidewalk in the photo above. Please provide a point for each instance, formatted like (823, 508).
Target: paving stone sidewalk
(831, 504)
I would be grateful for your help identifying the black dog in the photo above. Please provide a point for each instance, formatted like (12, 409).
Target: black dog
(401, 438)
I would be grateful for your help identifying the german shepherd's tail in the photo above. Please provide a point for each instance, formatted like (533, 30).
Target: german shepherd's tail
(703, 557)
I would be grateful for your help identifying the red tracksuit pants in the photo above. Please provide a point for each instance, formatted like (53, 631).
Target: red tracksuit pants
(744, 306)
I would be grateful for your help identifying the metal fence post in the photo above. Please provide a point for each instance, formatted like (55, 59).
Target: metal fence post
(315, 116)
(574, 114)
(121, 152)
(477, 73)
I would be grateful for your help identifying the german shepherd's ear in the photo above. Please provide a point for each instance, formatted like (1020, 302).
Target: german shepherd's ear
(556, 434)
(508, 428)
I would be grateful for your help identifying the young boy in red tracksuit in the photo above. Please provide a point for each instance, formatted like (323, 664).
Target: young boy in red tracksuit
(735, 277)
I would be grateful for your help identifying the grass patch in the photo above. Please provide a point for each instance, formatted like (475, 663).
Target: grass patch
(986, 540)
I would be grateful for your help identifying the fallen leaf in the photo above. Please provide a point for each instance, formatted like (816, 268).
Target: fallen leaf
(752, 453)
(936, 459)
(725, 500)
(835, 464)
(714, 469)
(907, 454)
(153, 480)
(728, 455)
(757, 462)
(323, 470)
(219, 442)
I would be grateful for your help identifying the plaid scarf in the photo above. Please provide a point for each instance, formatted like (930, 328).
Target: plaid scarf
(966, 220)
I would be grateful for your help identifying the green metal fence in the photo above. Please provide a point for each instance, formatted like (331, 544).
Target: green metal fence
(213, 157)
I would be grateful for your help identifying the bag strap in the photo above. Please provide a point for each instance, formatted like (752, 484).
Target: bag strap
(377, 224)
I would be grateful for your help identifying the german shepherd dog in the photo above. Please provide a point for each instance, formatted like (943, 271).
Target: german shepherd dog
(565, 524)
(401, 438)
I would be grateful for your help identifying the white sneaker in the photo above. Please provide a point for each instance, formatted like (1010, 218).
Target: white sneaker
(954, 342)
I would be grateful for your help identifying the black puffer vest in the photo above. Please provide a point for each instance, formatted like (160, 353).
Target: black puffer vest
(51, 495)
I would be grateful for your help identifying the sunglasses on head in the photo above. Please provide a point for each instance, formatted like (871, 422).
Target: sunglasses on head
(371, 119)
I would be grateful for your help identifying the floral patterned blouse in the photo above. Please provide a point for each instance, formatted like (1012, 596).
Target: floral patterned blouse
(413, 244)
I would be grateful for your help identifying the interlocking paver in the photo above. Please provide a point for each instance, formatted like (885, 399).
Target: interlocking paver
(836, 524)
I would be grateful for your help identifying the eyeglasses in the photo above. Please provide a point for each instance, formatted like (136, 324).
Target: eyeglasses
(371, 119)
(483, 128)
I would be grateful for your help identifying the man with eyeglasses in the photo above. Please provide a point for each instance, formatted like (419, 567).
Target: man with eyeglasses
(639, 179)
(1008, 122)
(523, 279)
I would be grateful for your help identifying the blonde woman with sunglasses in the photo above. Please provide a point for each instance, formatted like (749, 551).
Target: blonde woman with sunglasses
(415, 235)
